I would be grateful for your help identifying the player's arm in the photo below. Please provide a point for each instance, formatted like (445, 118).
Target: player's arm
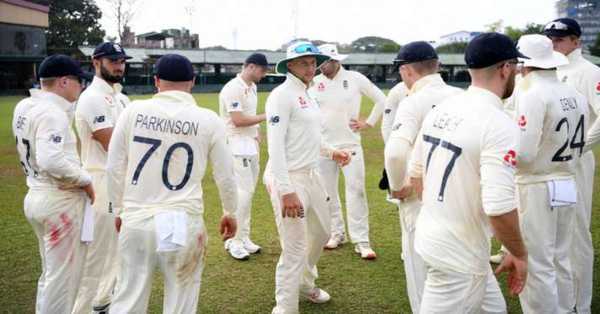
(530, 111)
(369, 89)
(231, 100)
(391, 106)
(592, 82)
(116, 163)
(95, 114)
(398, 148)
(50, 155)
(222, 162)
(415, 165)
(499, 198)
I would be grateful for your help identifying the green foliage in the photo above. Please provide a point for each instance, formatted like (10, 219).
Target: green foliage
(452, 48)
(374, 44)
(595, 48)
(73, 23)
(515, 33)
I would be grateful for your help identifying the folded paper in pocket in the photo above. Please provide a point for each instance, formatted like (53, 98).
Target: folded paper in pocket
(171, 230)
(562, 192)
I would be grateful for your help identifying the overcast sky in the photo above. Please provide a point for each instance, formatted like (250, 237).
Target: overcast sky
(269, 23)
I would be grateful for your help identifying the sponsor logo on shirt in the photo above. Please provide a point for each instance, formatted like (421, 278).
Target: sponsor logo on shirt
(510, 159)
(387, 111)
(345, 84)
(564, 79)
(274, 120)
(303, 102)
(522, 121)
(108, 99)
(99, 119)
(396, 126)
(321, 87)
(55, 138)
(235, 104)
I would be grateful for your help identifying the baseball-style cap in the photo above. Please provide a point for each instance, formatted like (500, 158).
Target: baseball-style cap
(297, 50)
(415, 51)
(60, 65)
(331, 50)
(110, 50)
(490, 48)
(258, 59)
(175, 68)
(562, 27)
(540, 52)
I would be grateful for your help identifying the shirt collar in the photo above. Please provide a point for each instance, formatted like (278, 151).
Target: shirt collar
(435, 78)
(53, 98)
(341, 71)
(487, 95)
(542, 75)
(176, 96)
(243, 83)
(101, 85)
(575, 55)
(292, 79)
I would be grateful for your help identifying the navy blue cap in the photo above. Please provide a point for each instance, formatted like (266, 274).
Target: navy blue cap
(415, 51)
(60, 65)
(258, 59)
(175, 68)
(562, 27)
(110, 50)
(490, 48)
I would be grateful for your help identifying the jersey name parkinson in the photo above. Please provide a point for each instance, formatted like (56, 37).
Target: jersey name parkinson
(179, 127)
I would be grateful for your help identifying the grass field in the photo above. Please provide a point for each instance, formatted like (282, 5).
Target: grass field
(229, 286)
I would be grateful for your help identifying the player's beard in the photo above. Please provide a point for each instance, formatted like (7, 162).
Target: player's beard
(109, 77)
(510, 86)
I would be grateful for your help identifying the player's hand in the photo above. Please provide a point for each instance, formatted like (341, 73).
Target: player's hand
(341, 157)
(228, 227)
(291, 206)
(89, 190)
(517, 272)
(357, 125)
(258, 138)
(118, 224)
(417, 184)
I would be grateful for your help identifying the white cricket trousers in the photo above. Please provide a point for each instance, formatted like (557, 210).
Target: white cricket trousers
(246, 170)
(101, 265)
(547, 235)
(582, 249)
(302, 240)
(356, 197)
(414, 266)
(450, 292)
(56, 218)
(182, 269)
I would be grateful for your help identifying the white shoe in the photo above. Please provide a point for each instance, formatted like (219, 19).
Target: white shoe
(365, 251)
(497, 259)
(317, 295)
(335, 241)
(236, 249)
(250, 246)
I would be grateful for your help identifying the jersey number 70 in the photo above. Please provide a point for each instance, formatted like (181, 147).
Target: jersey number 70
(154, 144)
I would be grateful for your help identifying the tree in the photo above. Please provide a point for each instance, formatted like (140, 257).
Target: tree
(452, 48)
(494, 26)
(374, 44)
(73, 23)
(122, 12)
(595, 48)
(531, 28)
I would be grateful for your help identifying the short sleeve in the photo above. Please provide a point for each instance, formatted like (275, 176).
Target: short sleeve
(94, 112)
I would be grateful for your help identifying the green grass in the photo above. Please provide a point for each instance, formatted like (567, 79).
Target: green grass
(229, 286)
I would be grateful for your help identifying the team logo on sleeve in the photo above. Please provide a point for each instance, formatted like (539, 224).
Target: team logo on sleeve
(274, 120)
(108, 99)
(388, 110)
(235, 104)
(396, 126)
(510, 159)
(55, 138)
(321, 87)
(522, 122)
(345, 84)
(99, 119)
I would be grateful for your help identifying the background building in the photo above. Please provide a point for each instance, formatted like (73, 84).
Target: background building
(171, 38)
(457, 37)
(586, 12)
(22, 42)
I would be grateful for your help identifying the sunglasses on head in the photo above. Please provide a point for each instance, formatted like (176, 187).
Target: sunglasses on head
(306, 48)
